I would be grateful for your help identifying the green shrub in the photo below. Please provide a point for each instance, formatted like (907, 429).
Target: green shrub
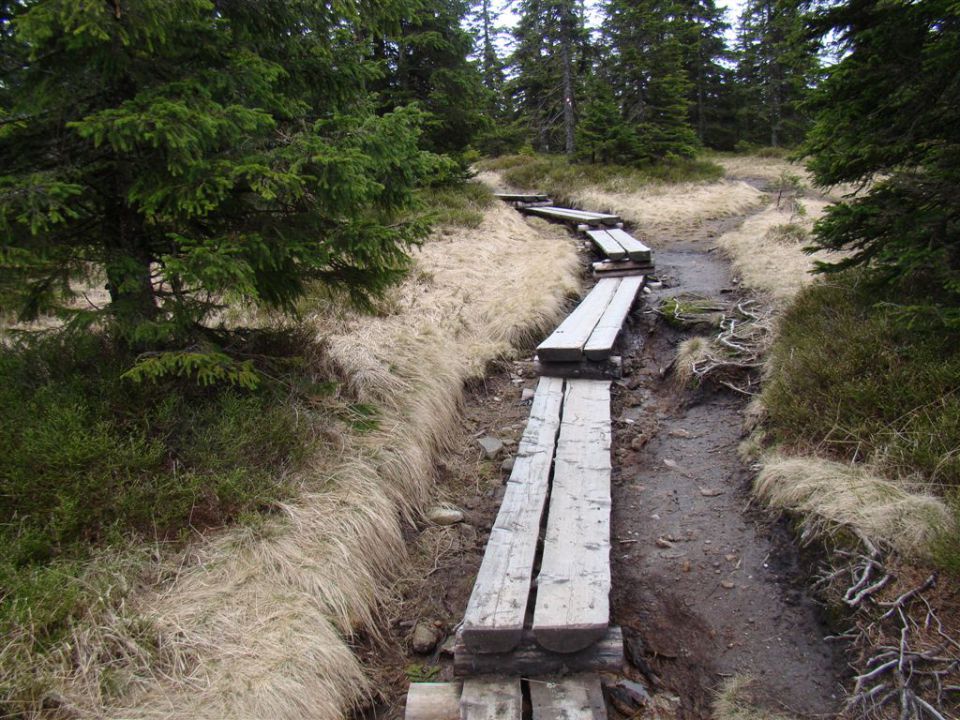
(458, 205)
(851, 377)
(91, 462)
(561, 179)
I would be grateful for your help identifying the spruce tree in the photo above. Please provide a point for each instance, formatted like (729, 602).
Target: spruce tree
(196, 152)
(777, 67)
(644, 40)
(887, 120)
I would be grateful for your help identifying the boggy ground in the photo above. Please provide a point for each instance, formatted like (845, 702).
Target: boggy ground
(705, 586)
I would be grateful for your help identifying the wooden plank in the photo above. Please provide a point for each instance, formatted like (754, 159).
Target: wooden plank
(571, 216)
(528, 658)
(522, 197)
(609, 369)
(607, 245)
(433, 701)
(606, 266)
(565, 344)
(604, 335)
(491, 699)
(498, 604)
(577, 697)
(573, 588)
(636, 250)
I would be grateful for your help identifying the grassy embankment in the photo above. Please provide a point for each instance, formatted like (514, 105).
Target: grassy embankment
(165, 545)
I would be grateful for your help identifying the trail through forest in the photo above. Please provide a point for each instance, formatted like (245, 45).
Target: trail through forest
(705, 586)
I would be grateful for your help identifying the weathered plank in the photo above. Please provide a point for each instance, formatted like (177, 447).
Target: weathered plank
(494, 698)
(606, 267)
(604, 335)
(573, 588)
(607, 245)
(636, 250)
(433, 701)
(577, 697)
(571, 216)
(522, 197)
(495, 613)
(609, 369)
(565, 344)
(528, 658)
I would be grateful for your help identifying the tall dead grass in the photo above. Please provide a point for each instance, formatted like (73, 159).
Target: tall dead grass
(767, 250)
(830, 496)
(256, 623)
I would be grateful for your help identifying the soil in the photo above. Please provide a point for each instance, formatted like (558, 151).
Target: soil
(704, 585)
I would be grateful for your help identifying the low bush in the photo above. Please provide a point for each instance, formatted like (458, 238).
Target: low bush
(559, 178)
(852, 378)
(91, 463)
(457, 205)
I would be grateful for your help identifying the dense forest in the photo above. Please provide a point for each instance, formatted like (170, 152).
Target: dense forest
(197, 195)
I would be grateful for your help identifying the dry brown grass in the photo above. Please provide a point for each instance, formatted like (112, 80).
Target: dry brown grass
(673, 207)
(256, 623)
(831, 496)
(767, 250)
(736, 701)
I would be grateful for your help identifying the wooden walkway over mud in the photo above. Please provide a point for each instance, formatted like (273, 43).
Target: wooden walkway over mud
(539, 614)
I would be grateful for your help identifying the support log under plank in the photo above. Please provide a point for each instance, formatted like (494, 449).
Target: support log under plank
(609, 369)
(528, 658)
(497, 608)
(573, 588)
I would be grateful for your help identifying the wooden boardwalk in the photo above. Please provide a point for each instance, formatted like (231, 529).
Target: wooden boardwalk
(552, 532)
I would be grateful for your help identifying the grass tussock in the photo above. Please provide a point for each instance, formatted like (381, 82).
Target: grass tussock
(257, 622)
(457, 206)
(831, 496)
(767, 251)
(737, 699)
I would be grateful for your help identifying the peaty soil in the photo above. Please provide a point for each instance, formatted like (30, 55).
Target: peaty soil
(704, 585)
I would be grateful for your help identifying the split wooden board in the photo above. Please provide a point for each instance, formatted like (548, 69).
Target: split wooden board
(577, 697)
(607, 245)
(572, 609)
(495, 614)
(619, 245)
(594, 324)
(575, 217)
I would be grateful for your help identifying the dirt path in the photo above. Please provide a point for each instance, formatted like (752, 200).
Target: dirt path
(704, 586)
(710, 588)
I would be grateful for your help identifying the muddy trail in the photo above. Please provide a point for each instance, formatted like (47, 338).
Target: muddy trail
(704, 585)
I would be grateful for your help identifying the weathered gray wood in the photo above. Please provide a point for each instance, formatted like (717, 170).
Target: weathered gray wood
(522, 197)
(577, 697)
(609, 369)
(604, 335)
(605, 267)
(636, 250)
(573, 588)
(539, 203)
(528, 658)
(433, 701)
(565, 344)
(607, 245)
(571, 216)
(495, 613)
(491, 698)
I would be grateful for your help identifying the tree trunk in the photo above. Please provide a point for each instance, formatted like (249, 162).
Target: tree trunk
(569, 121)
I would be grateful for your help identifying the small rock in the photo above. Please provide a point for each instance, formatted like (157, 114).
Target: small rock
(527, 395)
(728, 584)
(468, 533)
(730, 557)
(507, 464)
(710, 492)
(685, 566)
(664, 543)
(425, 637)
(448, 646)
(491, 446)
(680, 433)
(445, 516)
